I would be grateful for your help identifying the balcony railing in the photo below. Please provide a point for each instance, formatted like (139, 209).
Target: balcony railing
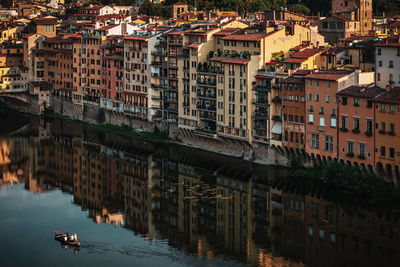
(206, 95)
(206, 82)
(211, 70)
(263, 102)
(276, 118)
(205, 107)
(262, 115)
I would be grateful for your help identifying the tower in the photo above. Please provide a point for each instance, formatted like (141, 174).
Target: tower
(355, 10)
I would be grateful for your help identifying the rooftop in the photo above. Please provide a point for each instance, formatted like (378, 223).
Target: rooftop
(230, 60)
(391, 97)
(367, 91)
(242, 36)
(332, 75)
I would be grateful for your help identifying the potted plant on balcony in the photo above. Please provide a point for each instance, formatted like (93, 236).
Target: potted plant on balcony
(344, 129)
(356, 130)
(368, 133)
(350, 154)
(361, 156)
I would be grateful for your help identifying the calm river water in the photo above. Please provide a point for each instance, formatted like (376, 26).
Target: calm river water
(139, 204)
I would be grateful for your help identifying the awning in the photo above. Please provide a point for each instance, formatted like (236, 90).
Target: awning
(277, 129)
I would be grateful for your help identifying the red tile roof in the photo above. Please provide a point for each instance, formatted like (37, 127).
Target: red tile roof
(248, 36)
(332, 75)
(194, 45)
(367, 91)
(230, 60)
(108, 27)
(43, 21)
(294, 60)
(391, 97)
(226, 31)
(137, 38)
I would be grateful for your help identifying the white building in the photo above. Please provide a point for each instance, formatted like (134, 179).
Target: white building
(387, 62)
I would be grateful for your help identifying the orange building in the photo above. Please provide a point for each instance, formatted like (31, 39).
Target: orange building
(294, 110)
(112, 72)
(59, 64)
(321, 109)
(356, 122)
(387, 141)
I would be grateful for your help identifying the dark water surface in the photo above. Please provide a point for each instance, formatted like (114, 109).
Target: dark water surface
(140, 204)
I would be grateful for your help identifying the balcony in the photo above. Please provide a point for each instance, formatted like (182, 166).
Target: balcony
(206, 107)
(158, 53)
(263, 88)
(156, 97)
(277, 100)
(157, 86)
(207, 82)
(208, 117)
(155, 75)
(321, 128)
(173, 66)
(258, 126)
(260, 115)
(173, 77)
(210, 70)
(266, 73)
(158, 63)
(276, 118)
(173, 88)
(206, 95)
(261, 101)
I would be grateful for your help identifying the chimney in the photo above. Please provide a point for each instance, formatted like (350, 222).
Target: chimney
(357, 73)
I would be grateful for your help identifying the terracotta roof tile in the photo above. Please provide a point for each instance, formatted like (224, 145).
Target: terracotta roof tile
(332, 75)
(248, 36)
(230, 60)
(108, 27)
(392, 96)
(367, 91)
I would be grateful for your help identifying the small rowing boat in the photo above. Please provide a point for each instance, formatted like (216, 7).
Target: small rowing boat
(63, 238)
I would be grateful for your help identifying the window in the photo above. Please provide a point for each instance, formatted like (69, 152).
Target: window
(328, 99)
(369, 126)
(333, 122)
(316, 97)
(391, 153)
(315, 140)
(383, 151)
(391, 64)
(328, 84)
(316, 83)
(356, 124)
(379, 77)
(350, 147)
(392, 108)
(329, 143)
(383, 107)
(311, 118)
(344, 100)
(362, 149)
(369, 104)
(344, 122)
(379, 51)
(321, 121)
(383, 126)
(310, 83)
(321, 233)
(356, 102)
(391, 128)
(380, 63)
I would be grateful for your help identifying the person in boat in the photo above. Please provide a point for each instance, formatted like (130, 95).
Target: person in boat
(71, 238)
(66, 237)
(75, 237)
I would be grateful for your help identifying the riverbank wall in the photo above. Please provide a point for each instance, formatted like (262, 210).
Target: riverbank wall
(255, 152)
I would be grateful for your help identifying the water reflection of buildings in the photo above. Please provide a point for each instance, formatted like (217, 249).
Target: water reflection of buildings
(12, 165)
(209, 205)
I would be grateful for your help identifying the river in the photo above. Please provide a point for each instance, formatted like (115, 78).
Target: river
(134, 203)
